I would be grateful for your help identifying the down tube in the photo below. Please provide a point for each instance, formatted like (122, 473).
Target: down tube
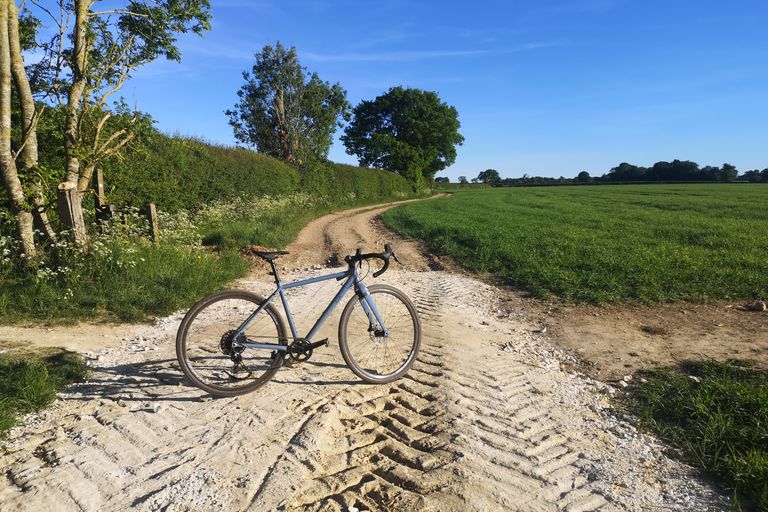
(331, 307)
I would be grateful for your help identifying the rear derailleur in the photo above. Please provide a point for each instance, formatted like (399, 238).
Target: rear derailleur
(235, 353)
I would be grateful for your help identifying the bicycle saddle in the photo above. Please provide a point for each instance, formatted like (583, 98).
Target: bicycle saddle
(269, 256)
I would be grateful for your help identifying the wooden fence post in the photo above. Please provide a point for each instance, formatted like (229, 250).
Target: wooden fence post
(98, 188)
(151, 213)
(104, 211)
(71, 213)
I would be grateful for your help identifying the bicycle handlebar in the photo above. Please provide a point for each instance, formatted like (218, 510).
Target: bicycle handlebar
(383, 256)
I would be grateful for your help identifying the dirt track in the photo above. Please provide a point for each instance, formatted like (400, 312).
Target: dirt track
(485, 420)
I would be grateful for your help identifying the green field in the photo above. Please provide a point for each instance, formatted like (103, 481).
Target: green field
(642, 243)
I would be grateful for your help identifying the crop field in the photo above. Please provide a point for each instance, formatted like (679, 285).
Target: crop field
(639, 243)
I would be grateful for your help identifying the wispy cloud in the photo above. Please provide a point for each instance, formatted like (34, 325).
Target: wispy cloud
(416, 55)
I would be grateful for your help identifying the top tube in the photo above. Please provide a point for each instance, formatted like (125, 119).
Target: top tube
(317, 279)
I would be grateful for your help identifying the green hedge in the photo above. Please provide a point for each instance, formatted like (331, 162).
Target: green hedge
(177, 173)
(345, 183)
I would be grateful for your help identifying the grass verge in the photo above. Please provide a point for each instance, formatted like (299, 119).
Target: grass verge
(28, 385)
(127, 281)
(716, 414)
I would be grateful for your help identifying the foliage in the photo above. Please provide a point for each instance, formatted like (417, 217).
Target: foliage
(131, 34)
(29, 384)
(177, 173)
(717, 414)
(677, 170)
(489, 176)
(407, 131)
(284, 111)
(605, 244)
(756, 176)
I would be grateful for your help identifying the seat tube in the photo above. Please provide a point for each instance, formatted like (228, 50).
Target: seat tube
(287, 310)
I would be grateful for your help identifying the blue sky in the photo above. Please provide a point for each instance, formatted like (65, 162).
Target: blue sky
(546, 87)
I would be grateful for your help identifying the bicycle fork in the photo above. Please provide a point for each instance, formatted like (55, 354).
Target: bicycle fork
(371, 311)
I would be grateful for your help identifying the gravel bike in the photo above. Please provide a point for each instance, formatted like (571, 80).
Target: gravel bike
(234, 341)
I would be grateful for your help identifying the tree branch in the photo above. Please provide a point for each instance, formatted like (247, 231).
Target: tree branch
(30, 131)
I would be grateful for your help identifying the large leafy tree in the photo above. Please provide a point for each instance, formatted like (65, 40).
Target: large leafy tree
(285, 111)
(407, 131)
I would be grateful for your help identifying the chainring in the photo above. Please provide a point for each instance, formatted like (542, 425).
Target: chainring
(300, 350)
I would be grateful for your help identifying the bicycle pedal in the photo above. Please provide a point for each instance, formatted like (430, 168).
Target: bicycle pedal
(320, 343)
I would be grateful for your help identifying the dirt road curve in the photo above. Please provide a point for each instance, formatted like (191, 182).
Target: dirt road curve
(485, 420)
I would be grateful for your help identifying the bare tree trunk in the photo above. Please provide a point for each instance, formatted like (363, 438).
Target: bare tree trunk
(11, 180)
(72, 131)
(28, 156)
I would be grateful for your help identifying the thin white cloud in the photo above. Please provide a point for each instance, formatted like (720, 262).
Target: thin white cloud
(416, 55)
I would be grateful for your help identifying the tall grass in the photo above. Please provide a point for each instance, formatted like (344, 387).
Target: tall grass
(717, 414)
(604, 244)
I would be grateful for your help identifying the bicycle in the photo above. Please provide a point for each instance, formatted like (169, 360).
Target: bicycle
(232, 342)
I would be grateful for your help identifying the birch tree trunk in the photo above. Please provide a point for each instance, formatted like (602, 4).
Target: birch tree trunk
(11, 180)
(28, 156)
(75, 223)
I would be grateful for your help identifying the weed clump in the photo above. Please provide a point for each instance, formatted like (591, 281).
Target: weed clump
(28, 385)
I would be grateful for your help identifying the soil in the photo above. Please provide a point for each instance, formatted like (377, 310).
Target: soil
(615, 341)
(491, 417)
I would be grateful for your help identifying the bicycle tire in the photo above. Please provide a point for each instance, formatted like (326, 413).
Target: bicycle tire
(354, 361)
(183, 344)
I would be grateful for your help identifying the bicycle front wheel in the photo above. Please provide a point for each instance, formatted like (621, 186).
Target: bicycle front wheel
(375, 358)
(204, 343)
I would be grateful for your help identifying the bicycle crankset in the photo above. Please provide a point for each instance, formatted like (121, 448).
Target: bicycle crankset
(301, 349)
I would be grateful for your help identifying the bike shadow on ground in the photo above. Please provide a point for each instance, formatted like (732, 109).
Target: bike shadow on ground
(161, 380)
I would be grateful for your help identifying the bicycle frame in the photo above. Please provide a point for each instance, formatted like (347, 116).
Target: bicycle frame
(352, 280)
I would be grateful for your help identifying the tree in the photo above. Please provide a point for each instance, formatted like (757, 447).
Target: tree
(583, 177)
(284, 111)
(728, 172)
(442, 180)
(10, 172)
(753, 176)
(407, 131)
(88, 59)
(489, 176)
(463, 180)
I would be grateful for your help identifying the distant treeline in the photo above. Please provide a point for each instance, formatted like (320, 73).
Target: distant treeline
(675, 171)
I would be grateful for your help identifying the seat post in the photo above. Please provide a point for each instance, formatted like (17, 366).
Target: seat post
(274, 271)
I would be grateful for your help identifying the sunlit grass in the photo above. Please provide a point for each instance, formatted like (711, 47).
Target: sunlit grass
(644, 243)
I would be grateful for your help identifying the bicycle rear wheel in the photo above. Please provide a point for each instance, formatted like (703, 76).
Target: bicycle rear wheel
(375, 358)
(204, 343)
